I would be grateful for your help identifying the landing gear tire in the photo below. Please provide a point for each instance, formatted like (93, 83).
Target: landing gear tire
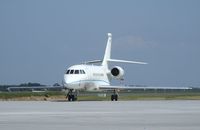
(114, 97)
(72, 96)
(69, 97)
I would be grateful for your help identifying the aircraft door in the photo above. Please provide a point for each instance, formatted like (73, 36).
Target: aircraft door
(84, 78)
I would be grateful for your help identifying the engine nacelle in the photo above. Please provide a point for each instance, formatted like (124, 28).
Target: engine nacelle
(117, 72)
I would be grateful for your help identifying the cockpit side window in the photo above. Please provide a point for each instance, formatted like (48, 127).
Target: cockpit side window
(76, 71)
(72, 71)
(83, 71)
(67, 72)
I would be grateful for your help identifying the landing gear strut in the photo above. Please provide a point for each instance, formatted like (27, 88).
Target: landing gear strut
(114, 96)
(72, 95)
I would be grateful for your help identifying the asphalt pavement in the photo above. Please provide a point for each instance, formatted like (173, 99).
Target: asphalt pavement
(100, 115)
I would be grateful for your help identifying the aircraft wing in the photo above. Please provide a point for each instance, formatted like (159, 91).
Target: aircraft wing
(106, 87)
(34, 87)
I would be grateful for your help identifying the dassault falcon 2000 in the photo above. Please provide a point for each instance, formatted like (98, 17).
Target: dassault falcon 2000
(91, 77)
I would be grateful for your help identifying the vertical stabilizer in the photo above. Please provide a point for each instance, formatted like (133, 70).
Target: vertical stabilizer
(107, 51)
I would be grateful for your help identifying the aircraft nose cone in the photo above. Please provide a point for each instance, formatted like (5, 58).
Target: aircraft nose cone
(65, 81)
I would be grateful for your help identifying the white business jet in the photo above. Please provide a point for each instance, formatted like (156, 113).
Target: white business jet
(91, 77)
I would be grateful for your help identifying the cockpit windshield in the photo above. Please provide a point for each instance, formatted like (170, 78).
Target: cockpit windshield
(75, 72)
(71, 71)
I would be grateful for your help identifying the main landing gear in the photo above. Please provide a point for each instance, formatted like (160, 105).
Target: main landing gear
(114, 96)
(72, 95)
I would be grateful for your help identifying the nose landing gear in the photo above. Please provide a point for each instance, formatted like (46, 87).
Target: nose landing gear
(72, 95)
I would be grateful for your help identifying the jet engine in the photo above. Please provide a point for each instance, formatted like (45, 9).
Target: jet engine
(117, 72)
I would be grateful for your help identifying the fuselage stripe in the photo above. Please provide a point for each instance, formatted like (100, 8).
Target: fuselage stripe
(81, 81)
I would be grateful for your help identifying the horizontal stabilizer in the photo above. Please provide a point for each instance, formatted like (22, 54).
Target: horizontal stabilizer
(126, 61)
(93, 62)
(115, 60)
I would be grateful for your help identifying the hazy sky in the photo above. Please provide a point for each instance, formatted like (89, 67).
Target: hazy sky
(39, 39)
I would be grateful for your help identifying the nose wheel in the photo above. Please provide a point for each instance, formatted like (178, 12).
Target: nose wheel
(114, 96)
(72, 95)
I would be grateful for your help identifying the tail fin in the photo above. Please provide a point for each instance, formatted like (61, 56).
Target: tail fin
(107, 54)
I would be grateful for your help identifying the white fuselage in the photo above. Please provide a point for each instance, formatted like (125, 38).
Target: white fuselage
(86, 77)
(92, 77)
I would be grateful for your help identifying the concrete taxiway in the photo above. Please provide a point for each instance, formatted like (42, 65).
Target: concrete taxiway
(107, 115)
